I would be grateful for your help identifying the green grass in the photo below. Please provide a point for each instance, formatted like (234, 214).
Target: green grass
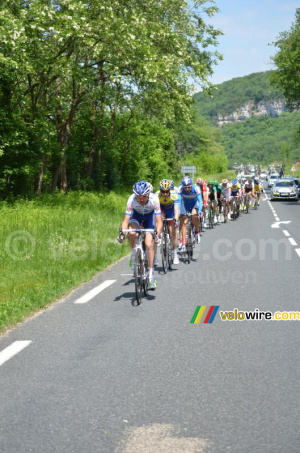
(51, 245)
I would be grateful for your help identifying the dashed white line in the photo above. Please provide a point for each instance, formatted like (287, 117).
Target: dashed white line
(286, 233)
(292, 241)
(297, 251)
(12, 350)
(93, 292)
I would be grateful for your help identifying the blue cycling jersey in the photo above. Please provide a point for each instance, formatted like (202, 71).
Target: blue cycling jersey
(191, 198)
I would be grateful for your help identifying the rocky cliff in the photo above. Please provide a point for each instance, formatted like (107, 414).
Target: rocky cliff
(270, 108)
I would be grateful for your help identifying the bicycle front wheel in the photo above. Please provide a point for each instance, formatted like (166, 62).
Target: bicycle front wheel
(164, 253)
(138, 277)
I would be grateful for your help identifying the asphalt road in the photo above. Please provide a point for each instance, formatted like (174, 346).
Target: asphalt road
(109, 376)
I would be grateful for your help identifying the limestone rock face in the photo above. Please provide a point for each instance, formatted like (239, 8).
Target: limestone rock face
(269, 108)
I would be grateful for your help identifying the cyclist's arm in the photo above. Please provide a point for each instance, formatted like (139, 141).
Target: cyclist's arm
(159, 224)
(125, 222)
(176, 212)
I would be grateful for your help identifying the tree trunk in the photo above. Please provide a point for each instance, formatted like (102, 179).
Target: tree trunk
(41, 176)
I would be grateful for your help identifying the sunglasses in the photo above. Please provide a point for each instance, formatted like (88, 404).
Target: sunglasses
(187, 187)
(165, 191)
(142, 196)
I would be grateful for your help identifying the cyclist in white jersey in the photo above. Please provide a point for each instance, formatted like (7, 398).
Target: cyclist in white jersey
(143, 210)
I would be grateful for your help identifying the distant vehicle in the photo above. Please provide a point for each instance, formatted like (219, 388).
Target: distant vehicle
(263, 175)
(296, 180)
(284, 189)
(272, 179)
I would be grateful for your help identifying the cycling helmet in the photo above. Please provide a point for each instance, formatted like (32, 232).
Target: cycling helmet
(186, 181)
(224, 181)
(141, 188)
(150, 186)
(216, 182)
(210, 182)
(166, 184)
(200, 181)
(234, 182)
(256, 179)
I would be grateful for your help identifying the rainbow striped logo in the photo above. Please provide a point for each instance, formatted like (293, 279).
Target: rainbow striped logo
(204, 314)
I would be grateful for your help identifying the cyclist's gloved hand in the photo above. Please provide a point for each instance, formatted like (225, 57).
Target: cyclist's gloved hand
(158, 241)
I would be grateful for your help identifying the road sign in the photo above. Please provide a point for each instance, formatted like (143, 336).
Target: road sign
(188, 169)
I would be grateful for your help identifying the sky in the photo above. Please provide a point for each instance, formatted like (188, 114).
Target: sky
(250, 27)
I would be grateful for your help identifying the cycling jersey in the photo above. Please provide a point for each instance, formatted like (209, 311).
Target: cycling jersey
(167, 203)
(235, 189)
(248, 187)
(152, 206)
(190, 200)
(212, 192)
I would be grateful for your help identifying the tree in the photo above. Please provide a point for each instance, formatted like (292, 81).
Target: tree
(287, 60)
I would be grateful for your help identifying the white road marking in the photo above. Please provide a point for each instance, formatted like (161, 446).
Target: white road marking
(131, 275)
(276, 224)
(297, 251)
(12, 350)
(292, 241)
(286, 233)
(93, 292)
(277, 218)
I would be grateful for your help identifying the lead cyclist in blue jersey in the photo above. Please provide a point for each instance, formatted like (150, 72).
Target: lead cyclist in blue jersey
(190, 200)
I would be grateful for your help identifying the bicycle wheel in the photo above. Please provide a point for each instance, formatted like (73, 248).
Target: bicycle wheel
(225, 213)
(189, 245)
(164, 253)
(145, 276)
(255, 204)
(234, 212)
(170, 258)
(138, 277)
(247, 206)
(210, 219)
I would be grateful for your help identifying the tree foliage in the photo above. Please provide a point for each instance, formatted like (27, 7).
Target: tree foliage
(91, 92)
(287, 60)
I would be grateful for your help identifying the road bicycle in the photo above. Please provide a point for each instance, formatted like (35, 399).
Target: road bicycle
(224, 209)
(210, 215)
(189, 236)
(166, 246)
(256, 200)
(234, 208)
(247, 202)
(141, 267)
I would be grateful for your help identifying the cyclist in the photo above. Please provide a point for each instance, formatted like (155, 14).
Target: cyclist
(204, 192)
(143, 208)
(169, 205)
(249, 189)
(212, 196)
(235, 192)
(190, 200)
(226, 194)
(257, 188)
(219, 189)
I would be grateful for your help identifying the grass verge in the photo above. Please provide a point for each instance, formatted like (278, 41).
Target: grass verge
(51, 245)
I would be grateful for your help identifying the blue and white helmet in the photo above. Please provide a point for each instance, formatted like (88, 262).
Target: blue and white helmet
(186, 181)
(141, 188)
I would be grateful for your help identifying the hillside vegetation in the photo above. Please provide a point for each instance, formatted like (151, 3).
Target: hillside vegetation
(259, 139)
(263, 139)
(235, 93)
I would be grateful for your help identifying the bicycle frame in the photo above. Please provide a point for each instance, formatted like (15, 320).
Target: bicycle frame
(141, 274)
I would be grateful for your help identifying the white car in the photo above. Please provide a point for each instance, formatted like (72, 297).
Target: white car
(263, 175)
(272, 178)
